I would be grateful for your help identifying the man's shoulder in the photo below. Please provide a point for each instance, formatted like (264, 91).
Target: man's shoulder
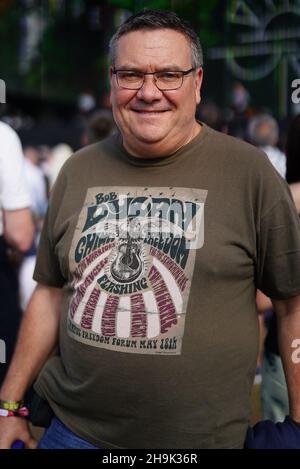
(236, 151)
(233, 143)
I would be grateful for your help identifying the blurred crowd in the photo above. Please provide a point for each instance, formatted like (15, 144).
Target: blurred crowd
(43, 161)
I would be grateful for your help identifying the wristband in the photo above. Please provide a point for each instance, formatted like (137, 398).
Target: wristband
(11, 405)
(23, 412)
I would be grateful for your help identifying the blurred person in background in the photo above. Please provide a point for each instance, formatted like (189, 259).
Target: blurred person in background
(155, 315)
(263, 132)
(36, 183)
(56, 159)
(16, 233)
(100, 125)
(86, 103)
(211, 114)
(237, 116)
(274, 392)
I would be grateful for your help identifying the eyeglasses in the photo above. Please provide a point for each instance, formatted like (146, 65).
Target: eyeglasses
(165, 81)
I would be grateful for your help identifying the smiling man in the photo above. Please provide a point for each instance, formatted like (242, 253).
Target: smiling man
(155, 83)
(154, 310)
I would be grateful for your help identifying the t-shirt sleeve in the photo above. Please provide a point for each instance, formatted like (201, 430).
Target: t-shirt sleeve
(48, 269)
(278, 245)
(14, 191)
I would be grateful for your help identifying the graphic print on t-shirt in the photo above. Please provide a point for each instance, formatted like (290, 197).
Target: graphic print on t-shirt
(132, 259)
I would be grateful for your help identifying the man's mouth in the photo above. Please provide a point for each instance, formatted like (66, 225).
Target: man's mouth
(150, 112)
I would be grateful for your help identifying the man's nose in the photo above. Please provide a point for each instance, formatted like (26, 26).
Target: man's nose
(149, 91)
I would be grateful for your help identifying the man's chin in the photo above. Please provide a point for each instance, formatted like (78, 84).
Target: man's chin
(151, 138)
(143, 144)
(150, 134)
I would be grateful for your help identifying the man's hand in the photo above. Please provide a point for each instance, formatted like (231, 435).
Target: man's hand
(15, 428)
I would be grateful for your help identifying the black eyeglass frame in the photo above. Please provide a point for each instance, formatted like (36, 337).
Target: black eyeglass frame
(183, 72)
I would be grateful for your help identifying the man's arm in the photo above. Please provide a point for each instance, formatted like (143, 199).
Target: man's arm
(37, 339)
(18, 228)
(288, 318)
(295, 189)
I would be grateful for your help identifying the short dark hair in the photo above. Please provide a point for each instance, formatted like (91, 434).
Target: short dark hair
(159, 19)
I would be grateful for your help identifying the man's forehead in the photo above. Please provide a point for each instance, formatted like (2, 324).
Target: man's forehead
(165, 45)
(155, 34)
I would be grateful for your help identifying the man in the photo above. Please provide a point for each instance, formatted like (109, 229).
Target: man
(155, 309)
(263, 132)
(16, 231)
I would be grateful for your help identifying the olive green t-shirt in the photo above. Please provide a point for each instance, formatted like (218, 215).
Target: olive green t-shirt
(160, 260)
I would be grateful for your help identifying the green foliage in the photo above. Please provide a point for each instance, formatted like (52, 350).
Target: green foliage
(70, 55)
(200, 13)
(10, 44)
(136, 5)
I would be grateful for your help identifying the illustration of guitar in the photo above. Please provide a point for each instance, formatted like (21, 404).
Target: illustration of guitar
(128, 264)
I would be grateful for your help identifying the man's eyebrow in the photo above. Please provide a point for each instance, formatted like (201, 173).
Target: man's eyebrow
(162, 68)
(128, 67)
(171, 67)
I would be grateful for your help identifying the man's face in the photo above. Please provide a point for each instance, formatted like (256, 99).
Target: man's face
(151, 120)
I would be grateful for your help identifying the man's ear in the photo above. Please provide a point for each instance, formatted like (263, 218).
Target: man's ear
(198, 83)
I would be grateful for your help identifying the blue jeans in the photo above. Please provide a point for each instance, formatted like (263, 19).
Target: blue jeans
(58, 436)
